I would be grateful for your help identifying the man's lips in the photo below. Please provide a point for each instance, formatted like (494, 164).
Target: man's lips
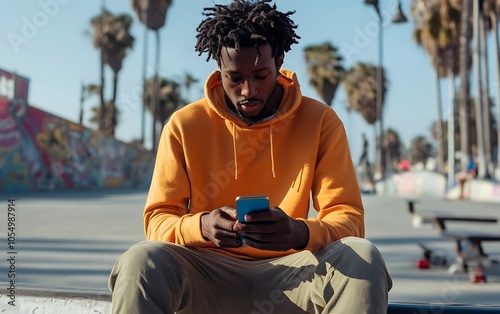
(249, 102)
(250, 106)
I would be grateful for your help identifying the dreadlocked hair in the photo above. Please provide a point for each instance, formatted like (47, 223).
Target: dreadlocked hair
(243, 24)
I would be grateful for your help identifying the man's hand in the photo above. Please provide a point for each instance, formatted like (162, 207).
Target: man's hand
(217, 226)
(273, 230)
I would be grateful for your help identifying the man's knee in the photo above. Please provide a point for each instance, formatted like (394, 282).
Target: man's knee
(142, 254)
(364, 249)
(352, 252)
(358, 258)
(148, 259)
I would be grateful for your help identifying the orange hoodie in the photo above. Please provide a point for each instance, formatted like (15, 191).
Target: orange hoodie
(207, 157)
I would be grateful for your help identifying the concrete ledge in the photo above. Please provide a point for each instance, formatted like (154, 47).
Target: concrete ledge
(413, 184)
(413, 308)
(56, 302)
(477, 190)
(82, 302)
(428, 183)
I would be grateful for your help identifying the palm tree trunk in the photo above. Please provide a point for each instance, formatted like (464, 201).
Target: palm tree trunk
(486, 101)
(451, 130)
(494, 22)
(114, 118)
(482, 169)
(440, 127)
(144, 78)
(101, 92)
(486, 98)
(465, 35)
(154, 97)
(82, 100)
(380, 98)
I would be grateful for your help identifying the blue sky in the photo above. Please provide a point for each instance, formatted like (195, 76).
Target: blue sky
(57, 56)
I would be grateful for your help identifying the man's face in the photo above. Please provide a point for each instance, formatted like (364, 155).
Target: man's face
(249, 85)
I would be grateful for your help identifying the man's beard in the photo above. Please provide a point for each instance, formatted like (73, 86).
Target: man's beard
(248, 120)
(264, 113)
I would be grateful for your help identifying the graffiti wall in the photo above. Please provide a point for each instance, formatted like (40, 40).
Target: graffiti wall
(39, 151)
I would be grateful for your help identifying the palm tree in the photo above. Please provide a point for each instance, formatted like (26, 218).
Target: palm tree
(360, 84)
(112, 33)
(98, 23)
(464, 65)
(427, 35)
(152, 13)
(392, 145)
(485, 26)
(97, 118)
(86, 92)
(325, 70)
(492, 8)
(188, 81)
(420, 150)
(473, 127)
(116, 52)
(455, 137)
(169, 100)
(477, 65)
(437, 33)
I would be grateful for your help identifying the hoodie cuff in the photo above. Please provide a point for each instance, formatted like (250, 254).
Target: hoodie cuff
(191, 231)
(316, 240)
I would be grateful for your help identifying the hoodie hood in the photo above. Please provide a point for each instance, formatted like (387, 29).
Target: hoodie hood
(216, 99)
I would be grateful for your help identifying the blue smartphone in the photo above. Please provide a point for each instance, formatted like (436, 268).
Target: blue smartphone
(248, 204)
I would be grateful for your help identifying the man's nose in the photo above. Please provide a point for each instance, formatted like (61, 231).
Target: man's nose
(248, 88)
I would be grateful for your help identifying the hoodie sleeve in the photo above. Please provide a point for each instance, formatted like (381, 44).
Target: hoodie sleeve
(335, 190)
(166, 216)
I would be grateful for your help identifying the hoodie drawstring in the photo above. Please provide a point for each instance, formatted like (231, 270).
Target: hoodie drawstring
(235, 152)
(272, 149)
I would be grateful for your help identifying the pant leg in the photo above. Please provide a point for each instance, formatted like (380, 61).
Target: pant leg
(360, 282)
(347, 276)
(284, 285)
(157, 277)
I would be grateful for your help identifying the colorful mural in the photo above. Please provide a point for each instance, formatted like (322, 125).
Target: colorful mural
(39, 151)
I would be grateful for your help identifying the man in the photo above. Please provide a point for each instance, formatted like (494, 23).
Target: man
(253, 133)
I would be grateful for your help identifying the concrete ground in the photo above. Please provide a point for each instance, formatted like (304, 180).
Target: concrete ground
(70, 240)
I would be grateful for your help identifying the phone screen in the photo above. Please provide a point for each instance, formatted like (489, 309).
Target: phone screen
(247, 204)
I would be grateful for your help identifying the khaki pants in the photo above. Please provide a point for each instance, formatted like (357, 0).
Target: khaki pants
(347, 276)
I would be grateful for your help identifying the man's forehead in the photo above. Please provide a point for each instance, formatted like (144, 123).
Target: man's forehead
(258, 54)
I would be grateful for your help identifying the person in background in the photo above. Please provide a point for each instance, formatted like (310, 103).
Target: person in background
(464, 176)
(253, 133)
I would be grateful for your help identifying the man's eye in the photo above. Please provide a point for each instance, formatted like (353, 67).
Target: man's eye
(261, 76)
(234, 79)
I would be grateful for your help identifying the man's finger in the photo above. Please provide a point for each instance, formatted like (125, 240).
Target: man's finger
(222, 232)
(273, 214)
(230, 211)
